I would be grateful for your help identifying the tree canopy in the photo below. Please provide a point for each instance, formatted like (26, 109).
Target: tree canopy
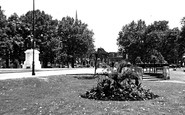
(57, 40)
(67, 40)
(75, 38)
(148, 41)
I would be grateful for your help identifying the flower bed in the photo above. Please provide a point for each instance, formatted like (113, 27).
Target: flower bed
(124, 86)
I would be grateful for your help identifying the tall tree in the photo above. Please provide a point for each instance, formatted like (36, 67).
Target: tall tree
(155, 35)
(139, 40)
(131, 39)
(76, 38)
(182, 38)
(170, 45)
(14, 31)
(4, 43)
(45, 34)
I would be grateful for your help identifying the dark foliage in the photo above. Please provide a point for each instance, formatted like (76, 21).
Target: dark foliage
(119, 87)
(84, 76)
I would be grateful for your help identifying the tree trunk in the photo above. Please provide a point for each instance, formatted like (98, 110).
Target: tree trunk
(95, 65)
(67, 61)
(7, 59)
(7, 63)
(72, 62)
(45, 64)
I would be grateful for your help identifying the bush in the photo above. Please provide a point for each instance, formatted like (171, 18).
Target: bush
(119, 86)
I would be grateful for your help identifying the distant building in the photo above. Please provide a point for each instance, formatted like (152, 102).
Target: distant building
(114, 57)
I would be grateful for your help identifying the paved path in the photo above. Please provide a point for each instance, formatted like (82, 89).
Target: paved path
(177, 76)
(44, 72)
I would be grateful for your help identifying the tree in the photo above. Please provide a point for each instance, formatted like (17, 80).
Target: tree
(170, 46)
(14, 31)
(131, 39)
(75, 37)
(181, 41)
(138, 60)
(4, 43)
(57, 41)
(156, 39)
(156, 34)
(102, 54)
(2, 18)
(45, 34)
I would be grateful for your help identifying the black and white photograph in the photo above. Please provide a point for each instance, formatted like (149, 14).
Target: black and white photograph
(92, 57)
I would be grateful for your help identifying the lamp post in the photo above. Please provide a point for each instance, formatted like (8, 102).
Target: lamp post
(96, 59)
(33, 46)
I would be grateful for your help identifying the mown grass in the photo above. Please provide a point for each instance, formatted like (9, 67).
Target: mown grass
(60, 95)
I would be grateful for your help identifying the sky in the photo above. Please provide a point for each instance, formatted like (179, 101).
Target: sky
(105, 17)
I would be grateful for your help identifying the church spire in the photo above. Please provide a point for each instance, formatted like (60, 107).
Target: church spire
(76, 18)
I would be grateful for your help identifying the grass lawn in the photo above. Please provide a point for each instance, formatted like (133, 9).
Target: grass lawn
(59, 95)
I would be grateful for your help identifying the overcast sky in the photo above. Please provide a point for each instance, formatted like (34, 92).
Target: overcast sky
(104, 17)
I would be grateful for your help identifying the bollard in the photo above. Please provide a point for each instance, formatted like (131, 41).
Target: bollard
(166, 72)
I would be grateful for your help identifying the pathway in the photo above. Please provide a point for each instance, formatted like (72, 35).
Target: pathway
(46, 72)
(175, 76)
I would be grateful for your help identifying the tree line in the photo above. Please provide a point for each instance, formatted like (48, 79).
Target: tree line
(155, 42)
(67, 40)
(59, 41)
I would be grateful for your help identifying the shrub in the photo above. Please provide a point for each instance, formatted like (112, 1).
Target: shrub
(124, 86)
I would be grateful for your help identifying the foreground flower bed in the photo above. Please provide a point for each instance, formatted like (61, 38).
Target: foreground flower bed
(123, 86)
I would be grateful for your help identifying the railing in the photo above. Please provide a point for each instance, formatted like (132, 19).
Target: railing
(156, 69)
